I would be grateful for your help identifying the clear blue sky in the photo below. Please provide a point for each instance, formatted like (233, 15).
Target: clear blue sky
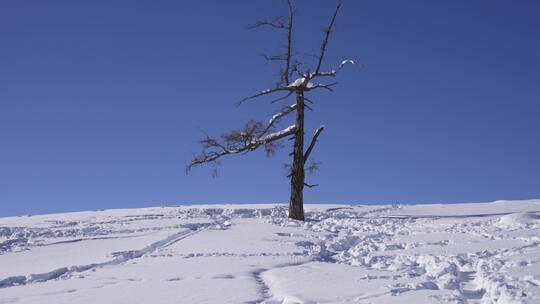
(101, 101)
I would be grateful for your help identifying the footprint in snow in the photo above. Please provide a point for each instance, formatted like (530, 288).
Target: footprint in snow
(175, 279)
(224, 276)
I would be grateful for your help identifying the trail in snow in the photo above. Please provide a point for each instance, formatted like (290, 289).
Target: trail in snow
(118, 258)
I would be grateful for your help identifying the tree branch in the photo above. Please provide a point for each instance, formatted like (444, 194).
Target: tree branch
(278, 22)
(276, 117)
(276, 135)
(289, 43)
(332, 73)
(236, 142)
(283, 97)
(265, 92)
(313, 142)
(282, 23)
(321, 86)
(327, 32)
(308, 100)
(280, 57)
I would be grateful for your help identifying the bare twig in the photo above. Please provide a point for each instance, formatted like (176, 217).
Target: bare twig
(283, 97)
(308, 100)
(265, 92)
(278, 22)
(312, 167)
(274, 57)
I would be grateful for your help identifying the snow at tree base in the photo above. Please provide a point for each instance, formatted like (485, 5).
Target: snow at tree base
(447, 253)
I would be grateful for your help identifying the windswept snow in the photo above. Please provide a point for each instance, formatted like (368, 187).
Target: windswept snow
(447, 253)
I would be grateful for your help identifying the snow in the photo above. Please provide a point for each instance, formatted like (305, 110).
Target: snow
(300, 82)
(278, 115)
(440, 253)
(344, 62)
(276, 135)
(517, 220)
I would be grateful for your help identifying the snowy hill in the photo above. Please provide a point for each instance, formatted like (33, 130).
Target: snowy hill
(452, 253)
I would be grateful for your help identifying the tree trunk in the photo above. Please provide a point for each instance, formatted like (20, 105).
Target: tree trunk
(296, 205)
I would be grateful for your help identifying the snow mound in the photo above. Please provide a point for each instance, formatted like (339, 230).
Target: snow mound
(519, 220)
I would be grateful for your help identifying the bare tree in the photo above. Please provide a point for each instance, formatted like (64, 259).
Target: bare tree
(257, 134)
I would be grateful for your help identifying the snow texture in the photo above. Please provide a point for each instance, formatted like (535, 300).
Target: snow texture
(447, 253)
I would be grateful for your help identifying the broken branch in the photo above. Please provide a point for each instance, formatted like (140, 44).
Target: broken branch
(313, 142)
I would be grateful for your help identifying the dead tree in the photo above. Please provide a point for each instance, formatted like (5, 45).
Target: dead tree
(256, 134)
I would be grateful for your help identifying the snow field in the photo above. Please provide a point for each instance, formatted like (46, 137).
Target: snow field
(448, 253)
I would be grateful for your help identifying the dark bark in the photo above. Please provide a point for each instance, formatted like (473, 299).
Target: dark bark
(296, 205)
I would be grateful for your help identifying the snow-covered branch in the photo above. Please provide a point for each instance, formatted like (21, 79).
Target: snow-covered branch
(249, 139)
(321, 86)
(275, 136)
(332, 73)
(276, 117)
